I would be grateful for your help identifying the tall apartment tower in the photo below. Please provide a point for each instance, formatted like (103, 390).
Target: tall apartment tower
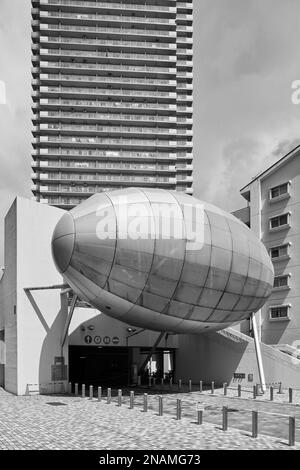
(112, 97)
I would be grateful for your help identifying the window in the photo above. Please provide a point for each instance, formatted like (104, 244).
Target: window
(281, 281)
(280, 312)
(279, 252)
(280, 221)
(279, 191)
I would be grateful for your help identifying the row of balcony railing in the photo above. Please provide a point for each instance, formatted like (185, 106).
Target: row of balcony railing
(108, 154)
(103, 17)
(108, 55)
(117, 5)
(96, 165)
(101, 67)
(86, 177)
(61, 77)
(106, 91)
(113, 117)
(109, 42)
(107, 104)
(104, 29)
(109, 178)
(61, 115)
(112, 129)
(84, 140)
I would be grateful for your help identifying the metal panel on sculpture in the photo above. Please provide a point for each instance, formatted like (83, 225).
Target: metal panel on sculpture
(162, 260)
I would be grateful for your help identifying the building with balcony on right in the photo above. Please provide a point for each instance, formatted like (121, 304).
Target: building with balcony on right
(273, 199)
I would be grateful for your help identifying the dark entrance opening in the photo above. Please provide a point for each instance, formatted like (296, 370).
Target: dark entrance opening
(99, 365)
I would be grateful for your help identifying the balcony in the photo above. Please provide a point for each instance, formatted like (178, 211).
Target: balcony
(94, 18)
(111, 57)
(85, 167)
(136, 83)
(74, 92)
(65, 116)
(84, 130)
(86, 188)
(100, 5)
(47, 156)
(103, 30)
(94, 43)
(114, 143)
(102, 69)
(135, 107)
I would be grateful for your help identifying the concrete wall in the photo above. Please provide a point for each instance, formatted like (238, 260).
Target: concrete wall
(216, 357)
(42, 314)
(33, 322)
(8, 300)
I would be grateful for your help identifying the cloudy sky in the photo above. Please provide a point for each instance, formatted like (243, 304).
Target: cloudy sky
(246, 56)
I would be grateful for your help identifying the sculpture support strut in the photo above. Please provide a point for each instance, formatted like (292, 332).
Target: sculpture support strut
(160, 337)
(258, 355)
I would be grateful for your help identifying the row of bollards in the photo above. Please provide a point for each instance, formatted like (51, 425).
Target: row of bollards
(255, 391)
(152, 382)
(292, 421)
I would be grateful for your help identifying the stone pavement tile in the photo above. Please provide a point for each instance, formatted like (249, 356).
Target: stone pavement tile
(31, 422)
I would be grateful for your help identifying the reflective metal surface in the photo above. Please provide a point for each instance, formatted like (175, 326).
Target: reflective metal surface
(163, 260)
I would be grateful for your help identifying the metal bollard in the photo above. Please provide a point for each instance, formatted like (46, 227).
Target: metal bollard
(99, 393)
(257, 389)
(179, 384)
(190, 385)
(254, 391)
(254, 424)
(199, 417)
(139, 380)
(292, 430)
(225, 418)
(154, 381)
(91, 391)
(83, 391)
(162, 381)
(200, 386)
(160, 406)
(119, 397)
(108, 398)
(131, 406)
(280, 388)
(271, 393)
(290, 395)
(213, 388)
(149, 382)
(178, 409)
(225, 388)
(70, 388)
(76, 390)
(239, 390)
(145, 402)
(171, 382)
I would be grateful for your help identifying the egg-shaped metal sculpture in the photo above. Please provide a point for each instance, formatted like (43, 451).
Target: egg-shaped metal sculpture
(162, 260)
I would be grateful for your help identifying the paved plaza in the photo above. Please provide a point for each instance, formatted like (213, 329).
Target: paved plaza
(71, 422)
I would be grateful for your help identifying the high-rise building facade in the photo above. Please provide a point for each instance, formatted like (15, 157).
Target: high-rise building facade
(112, 97)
